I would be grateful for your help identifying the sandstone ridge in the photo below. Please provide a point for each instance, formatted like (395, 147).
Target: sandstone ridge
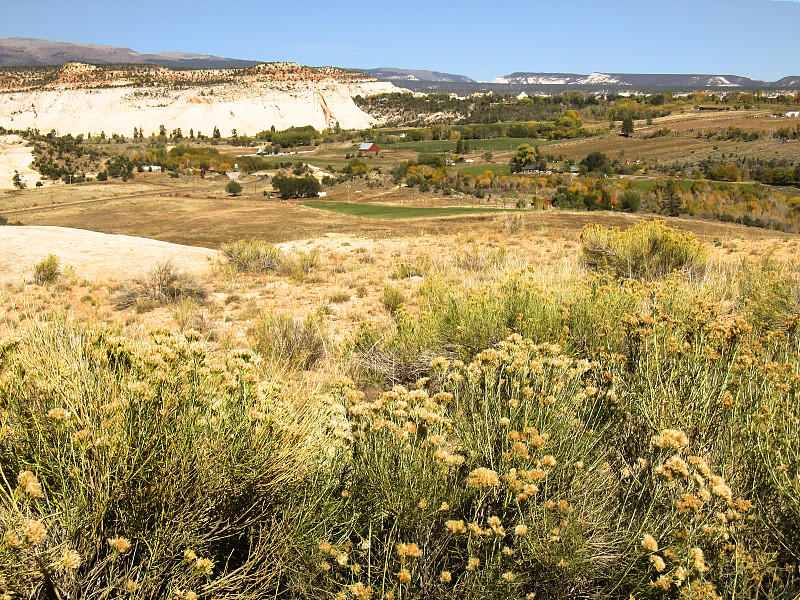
(82, 98)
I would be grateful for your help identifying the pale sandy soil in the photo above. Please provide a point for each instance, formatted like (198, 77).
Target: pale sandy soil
(93, 255)
(16, 156)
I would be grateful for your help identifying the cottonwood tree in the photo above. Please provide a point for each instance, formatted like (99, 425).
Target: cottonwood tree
(524, 155)
(234, 188)
(627, 126)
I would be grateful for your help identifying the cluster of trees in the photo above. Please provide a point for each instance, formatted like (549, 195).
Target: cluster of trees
(778, 175)
(630, 108)
(769, 171)
(598, 198)
(203, 158)
(525, 156)
(290, 138)
(536, 108)
(788, 133)
(753, 205)
(120, 166)
(296, 187)
(597, 162)
(63, 157)
(732, 133)
(567, 125)
(407, 109)
(749, 205)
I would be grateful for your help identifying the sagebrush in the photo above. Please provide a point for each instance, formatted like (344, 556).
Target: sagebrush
(163, 284)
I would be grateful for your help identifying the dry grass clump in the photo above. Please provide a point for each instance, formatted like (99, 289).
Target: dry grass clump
(771, 294)
(289, 341)
(253, 256)
(510, 223)
(163, 284)
(473, 259)
(419, 267)
(647, 250)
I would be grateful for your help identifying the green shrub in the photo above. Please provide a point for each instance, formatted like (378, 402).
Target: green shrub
(630, 201)
(647, 250)
(527, 475)
(47, 269)
(252, 256)
(234, 188)
(392, 298)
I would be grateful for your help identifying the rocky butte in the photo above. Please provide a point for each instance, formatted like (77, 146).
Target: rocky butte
(81, 98)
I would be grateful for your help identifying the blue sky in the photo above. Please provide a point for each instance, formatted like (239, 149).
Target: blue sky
(754, 38)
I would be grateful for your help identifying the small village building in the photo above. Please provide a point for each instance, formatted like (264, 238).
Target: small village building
(368, 147)
(530, 169)
(793, 113)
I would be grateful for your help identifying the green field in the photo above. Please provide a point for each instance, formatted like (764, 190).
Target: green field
(386, 212)
(323, 162)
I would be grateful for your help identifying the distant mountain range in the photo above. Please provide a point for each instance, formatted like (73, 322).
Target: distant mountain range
(401, 75)
(18, 52)
(645, 80)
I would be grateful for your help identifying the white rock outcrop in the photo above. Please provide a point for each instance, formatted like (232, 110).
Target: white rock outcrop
(83, 99)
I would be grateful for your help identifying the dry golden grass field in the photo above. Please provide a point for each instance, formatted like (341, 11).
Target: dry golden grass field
(686, 146)
(353, 257)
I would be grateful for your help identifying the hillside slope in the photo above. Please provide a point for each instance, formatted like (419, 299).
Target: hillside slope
(80, 98)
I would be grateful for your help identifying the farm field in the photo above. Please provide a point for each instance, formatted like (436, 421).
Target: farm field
(212, 220)
(386, 212)
(688, 146)
(495, 145)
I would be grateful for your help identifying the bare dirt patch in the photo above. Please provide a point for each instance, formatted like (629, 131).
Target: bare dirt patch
(15, 156)
(93, 255)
